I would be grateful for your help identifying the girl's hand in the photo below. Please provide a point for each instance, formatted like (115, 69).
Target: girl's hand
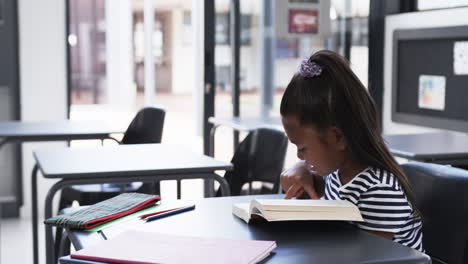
(297, 181)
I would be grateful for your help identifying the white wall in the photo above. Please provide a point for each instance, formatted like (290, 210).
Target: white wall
(42, 77)
(427, 19)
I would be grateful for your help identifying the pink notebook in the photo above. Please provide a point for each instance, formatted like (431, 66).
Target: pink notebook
(149, 248)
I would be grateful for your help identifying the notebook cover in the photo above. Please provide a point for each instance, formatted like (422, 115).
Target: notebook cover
(137, 247)
(105, 211)
(68, 260)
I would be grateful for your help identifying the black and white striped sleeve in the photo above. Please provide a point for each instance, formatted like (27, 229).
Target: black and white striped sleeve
(384, 207)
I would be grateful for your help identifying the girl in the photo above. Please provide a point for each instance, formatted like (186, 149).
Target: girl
(331, 118)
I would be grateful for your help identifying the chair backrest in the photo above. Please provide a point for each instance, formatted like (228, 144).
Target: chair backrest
(259, 157)
(441, 194)
(146, 127)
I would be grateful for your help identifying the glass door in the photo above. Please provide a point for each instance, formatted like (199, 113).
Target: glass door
(274, 37)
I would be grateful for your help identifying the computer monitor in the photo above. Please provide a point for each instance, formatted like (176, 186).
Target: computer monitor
(430, 77)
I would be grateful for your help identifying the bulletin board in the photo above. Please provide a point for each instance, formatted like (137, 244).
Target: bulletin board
(430, 77)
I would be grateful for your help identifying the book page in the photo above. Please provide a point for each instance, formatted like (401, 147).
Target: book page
(241, 210)
(301, 205)
(302, 210)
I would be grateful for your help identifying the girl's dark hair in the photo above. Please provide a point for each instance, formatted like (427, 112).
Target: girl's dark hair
(336, 97)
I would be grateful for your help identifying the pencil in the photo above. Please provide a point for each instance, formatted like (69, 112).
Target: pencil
(169, 212)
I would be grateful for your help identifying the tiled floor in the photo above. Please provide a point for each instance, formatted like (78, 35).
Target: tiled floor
(179, 128)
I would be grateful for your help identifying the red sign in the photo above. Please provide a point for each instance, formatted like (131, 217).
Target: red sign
(303, 21)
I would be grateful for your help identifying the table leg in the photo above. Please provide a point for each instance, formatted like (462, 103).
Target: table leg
(34, 214)
(212, 140)
(50, 254)
(209, 184)
(2, 142)
(209, 188)
(179, 189)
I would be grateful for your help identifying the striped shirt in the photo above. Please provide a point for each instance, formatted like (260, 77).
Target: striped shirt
(382, 202)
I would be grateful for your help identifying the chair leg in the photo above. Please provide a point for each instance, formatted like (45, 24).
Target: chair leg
(58, 238)
(60, 232)
(64, 246)
(61, 244)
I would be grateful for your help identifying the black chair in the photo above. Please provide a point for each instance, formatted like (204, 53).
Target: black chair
(259, 157)
(441, 194)
(146, 127)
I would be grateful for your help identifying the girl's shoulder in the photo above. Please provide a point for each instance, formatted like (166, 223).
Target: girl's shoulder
(370, 179)
(375, 177)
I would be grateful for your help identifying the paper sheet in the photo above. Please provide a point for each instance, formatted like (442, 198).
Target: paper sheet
(460, 58)
(432, 92)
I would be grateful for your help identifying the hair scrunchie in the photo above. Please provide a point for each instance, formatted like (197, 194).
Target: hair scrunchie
(309, 69)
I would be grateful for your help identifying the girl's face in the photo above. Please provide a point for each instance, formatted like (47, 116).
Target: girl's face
(323, 151)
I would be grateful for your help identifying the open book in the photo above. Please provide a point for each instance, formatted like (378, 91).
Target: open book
(290, 210)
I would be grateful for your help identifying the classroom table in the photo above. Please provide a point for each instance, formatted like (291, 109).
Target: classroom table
(445, 147)
(117, 164)
(57, 130)
(53, 130)
(297, 241)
